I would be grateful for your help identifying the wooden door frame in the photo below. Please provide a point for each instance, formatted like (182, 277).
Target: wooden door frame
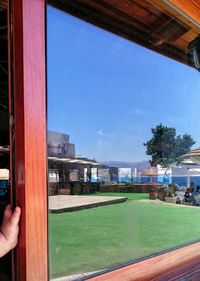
(27, 90)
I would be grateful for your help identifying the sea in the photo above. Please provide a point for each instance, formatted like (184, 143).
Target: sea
(179, 180)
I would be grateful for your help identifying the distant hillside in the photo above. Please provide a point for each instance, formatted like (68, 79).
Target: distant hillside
(142, 165)
(180, 171)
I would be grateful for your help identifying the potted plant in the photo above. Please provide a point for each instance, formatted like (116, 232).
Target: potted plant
(170, 193)
(64, 189)
(153, 192)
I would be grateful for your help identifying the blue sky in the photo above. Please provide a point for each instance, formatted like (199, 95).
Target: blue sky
(107, 92)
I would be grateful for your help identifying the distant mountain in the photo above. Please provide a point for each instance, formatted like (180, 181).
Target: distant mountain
(142, 165)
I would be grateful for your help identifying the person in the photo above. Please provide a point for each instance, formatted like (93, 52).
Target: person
(193, 191)
(9, 230)
(192, 188)
(187, 196)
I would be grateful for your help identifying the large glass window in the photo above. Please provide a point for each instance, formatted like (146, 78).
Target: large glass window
(120, 120)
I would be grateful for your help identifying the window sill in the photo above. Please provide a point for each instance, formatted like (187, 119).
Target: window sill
(181, 262)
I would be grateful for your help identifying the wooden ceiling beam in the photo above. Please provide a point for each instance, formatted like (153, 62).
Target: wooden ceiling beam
(90, 12)
(99, 18)
(147, 6)
(135, 10)
(174, 13)
(117, 12)
(191, 8)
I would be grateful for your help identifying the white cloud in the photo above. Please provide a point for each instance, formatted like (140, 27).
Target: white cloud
(139, 112)
(101, 133)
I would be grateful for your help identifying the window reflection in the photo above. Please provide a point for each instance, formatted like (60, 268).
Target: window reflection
(121, 121)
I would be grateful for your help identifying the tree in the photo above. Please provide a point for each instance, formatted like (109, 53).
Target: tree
(165, 147)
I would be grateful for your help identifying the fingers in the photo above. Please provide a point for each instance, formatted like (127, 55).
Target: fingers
(14, 220)
(7, 215)
(11, 217)
(7, 212)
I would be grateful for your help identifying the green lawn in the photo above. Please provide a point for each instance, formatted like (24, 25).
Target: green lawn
(130, 196)
(101, 237)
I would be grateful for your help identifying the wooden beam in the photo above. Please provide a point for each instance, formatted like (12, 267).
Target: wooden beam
(169, 8)
(85, 11)
(191, 8)
(28, 92)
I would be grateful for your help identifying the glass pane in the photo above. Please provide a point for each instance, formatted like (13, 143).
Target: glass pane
(120, 118)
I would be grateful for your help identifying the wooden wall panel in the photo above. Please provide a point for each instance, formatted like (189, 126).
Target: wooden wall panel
(29, 150)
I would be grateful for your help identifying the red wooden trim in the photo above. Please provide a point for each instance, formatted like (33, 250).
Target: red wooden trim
(155, 266)
(30, 137)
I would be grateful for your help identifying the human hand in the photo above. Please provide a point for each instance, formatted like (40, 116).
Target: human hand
(9, 230)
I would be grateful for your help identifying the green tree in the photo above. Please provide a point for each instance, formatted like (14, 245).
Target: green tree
(165, 147)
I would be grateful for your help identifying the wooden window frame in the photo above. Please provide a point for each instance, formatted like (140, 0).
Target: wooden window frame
(27, 93)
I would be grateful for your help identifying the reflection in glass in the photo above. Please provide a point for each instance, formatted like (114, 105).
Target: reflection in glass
(120, 118)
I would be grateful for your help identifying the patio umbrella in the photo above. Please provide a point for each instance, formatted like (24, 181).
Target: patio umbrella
(152, 172)
(191, 158)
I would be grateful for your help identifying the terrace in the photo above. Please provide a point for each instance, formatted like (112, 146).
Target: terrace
(120, 234)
